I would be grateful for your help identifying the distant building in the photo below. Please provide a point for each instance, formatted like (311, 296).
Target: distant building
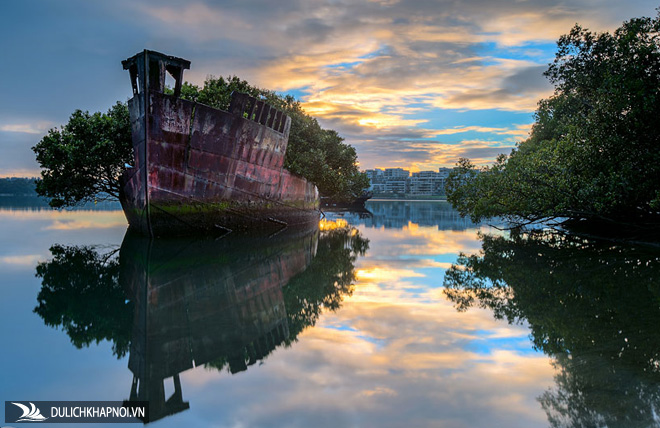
(396, 173)
(444, 172)
(375, 175)
(399, 181)
(423, 183)
(396, 187)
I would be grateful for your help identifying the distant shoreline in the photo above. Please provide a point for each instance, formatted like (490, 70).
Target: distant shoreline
(409, 199)
(24, 188)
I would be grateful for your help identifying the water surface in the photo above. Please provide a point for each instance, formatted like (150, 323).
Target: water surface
(347, 324)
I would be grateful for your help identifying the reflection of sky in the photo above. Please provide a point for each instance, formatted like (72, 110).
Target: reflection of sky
(395, 354)
(38, 362)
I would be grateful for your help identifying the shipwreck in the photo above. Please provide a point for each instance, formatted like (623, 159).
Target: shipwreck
(199, 169)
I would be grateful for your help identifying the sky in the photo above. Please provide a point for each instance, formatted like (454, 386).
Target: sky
(414, 84)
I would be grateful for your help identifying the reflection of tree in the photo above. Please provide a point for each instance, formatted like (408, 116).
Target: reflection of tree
(321, 286)
(81, 290)
(180, 303)
(594, 307)
(326, 281)
(81, 293)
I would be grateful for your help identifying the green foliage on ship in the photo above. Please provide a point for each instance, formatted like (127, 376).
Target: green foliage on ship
(83, 160)
(594, 151)
(320, 155)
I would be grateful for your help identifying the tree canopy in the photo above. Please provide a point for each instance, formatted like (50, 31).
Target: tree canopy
(594, 150)
(320, 155)
(83, 160)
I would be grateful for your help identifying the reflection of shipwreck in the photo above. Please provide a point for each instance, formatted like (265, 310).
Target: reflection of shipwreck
(206, 302)
(202, 169)
(175, 304)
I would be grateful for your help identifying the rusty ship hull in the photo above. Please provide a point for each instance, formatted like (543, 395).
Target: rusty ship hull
(203, 170)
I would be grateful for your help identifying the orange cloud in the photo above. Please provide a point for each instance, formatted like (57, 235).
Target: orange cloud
(384, 69)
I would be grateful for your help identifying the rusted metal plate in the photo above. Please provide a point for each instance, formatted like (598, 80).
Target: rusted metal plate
(196, 165)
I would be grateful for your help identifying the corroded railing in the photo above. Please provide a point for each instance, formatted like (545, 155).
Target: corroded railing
(244, 105)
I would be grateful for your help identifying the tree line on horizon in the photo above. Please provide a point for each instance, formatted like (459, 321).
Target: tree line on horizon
(18, 186)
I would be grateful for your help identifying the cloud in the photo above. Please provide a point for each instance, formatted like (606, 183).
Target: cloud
(24, 261)
(374, 70)
(380, 274)
(20, 172)
(520, 131)
(381, 71)
(427, 155)
(389, 51)
(17, 159)
(27, 128)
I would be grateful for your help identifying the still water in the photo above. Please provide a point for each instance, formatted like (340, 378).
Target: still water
(405, 316)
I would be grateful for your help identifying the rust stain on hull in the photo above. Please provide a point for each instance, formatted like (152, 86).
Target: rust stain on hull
(200, 169)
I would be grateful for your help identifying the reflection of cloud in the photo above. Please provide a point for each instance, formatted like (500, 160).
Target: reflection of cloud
(416, 340)
(413, 242)
(84, 224)
(327, 224)
(396, 362)
(68, 220)
(396, 353)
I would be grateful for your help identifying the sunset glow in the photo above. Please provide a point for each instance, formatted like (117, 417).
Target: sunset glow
(409, 84)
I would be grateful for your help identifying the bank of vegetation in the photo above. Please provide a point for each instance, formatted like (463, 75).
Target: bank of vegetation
(17, 186)
(593, 155)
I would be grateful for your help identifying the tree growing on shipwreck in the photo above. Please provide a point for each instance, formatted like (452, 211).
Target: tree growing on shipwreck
(83, 160)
